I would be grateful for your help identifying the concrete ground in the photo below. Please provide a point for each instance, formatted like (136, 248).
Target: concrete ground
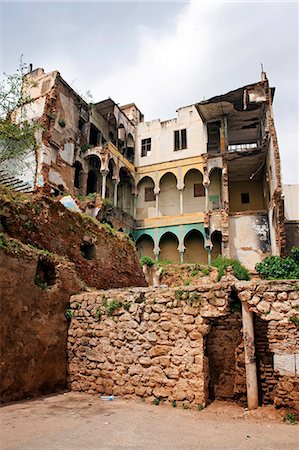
(81, 421)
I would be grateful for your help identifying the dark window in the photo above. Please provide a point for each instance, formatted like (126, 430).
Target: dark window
(81, 125)
(88, 251)
(45, 273)
(199, 190)
(180, 139)
(94, 135)
(149, 195)
(146, 146)
(213, 136)
(245, 198)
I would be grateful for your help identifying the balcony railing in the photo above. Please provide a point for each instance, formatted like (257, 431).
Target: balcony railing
(242, 147)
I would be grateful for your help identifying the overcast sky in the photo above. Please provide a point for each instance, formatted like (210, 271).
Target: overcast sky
(163, 55)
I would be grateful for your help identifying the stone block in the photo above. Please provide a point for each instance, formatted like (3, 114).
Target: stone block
(284, 363)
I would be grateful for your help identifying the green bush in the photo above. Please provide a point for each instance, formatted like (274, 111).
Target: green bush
(295, 254)
(221, 263)
(147, 261)
(277, 268)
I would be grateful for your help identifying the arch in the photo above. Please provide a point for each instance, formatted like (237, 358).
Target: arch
(216, 239)
(169, 247)
(215, 189)
(145, 246)
(121, 137)
(194, 192)
(111, 138)
(78, 174)
(195, 251)
(130, 150)
(146, 201)
(92, 182)
(93, 161)
(125, 189)
(110, 181)
(169, 197)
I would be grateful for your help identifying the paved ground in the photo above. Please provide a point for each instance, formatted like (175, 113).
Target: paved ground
(81, 421)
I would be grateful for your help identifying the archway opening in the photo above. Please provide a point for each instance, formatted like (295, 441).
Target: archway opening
(91, 182)
(78, 175)
(215, 189)
(216, 239)
(195, 251)
(125, 189)
(225, 352)
(194, 192)
(169, 248)
(146, 201)
(169, 197)
(145, 246)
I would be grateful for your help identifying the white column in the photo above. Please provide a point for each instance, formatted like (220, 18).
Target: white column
(104, 177)
(157, 204)
(250, 360)
(207, 198)
(181, 191)
(115, 195)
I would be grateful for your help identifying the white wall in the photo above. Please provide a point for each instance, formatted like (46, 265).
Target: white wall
(162, 135)
(291, 201)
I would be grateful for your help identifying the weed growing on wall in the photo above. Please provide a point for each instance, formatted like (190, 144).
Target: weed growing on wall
(277, 268)
(147, 261)
(290, 418)
(222, 264)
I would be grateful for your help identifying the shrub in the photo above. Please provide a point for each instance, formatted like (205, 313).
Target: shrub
(156, 401)
(107, 202)
(221, 263)
(295, 254)
(147, 261)
(277, 268)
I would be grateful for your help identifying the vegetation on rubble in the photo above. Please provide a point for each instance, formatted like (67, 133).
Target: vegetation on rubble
(294, 320)
(10, 245)
(222, 264)
(85, 147)
(278, 268)
(200, 407)
(147, 261)
(69, 313)
(108, 203)
(156, 401)
(290, 418)
(174, 403)
(111, 306)
(99, 313)
(16, 139)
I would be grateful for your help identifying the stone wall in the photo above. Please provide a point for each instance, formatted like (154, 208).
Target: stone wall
(35, 291)
(152, 343)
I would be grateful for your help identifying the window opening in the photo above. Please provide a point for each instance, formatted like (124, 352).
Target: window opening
(199, 190)
(180, 139)
(245, 198)
(149, 195)
(146, 146)
(88, 251)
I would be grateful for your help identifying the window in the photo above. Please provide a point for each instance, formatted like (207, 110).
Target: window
(245, 198)
(149, 195)
(146, 146)
(81, 125)
(180, 139)
(213, 129)
(199, 190)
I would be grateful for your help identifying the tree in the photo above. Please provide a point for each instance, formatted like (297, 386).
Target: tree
(17, 132)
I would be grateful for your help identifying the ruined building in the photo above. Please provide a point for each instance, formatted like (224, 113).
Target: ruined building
(187, 189)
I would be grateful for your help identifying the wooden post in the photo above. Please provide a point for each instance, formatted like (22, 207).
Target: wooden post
(250, 360)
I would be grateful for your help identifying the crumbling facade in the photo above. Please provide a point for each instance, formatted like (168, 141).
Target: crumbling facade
(205, 183)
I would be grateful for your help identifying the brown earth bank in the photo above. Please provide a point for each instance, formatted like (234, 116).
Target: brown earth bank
(82, 421)
(35, 291)
(103, 257)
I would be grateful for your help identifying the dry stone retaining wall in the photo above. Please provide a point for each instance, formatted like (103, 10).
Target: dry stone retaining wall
(154, 345)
